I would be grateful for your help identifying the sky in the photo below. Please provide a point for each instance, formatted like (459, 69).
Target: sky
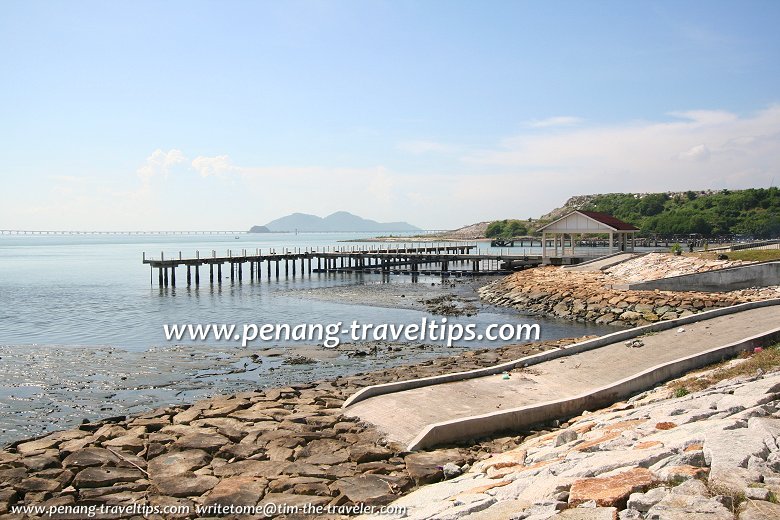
(224, 114)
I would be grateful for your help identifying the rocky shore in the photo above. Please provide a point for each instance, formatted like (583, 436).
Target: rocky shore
(664, 454)
(290, 445)
(594, 296)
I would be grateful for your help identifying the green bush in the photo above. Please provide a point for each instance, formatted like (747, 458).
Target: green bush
(506, 229)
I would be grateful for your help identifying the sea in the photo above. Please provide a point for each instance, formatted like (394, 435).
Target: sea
(81, 323)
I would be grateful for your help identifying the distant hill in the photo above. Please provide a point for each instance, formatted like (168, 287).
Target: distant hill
(339, 221)
(259, 229)
(754, 212)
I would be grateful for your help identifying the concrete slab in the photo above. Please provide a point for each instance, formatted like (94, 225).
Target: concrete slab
(598, 265)
(401, 416)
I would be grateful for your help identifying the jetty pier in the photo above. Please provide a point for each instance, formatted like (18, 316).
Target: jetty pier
(444, 260)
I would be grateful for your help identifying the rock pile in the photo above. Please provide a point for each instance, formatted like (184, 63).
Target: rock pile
(587, 296)
(289, 446)
(709, 454)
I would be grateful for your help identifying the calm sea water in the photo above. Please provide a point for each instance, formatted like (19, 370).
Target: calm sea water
(94, 290)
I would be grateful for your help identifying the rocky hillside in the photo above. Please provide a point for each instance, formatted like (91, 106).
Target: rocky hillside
(664, 454)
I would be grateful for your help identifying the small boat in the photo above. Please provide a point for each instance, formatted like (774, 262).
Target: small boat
(237, 238)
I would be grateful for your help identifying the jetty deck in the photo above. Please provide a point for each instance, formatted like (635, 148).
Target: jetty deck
(444, 260)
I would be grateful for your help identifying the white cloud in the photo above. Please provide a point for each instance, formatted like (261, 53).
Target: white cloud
(556, 121)
(705, 149)
(213, 166)
(699, 152)
(159, 164)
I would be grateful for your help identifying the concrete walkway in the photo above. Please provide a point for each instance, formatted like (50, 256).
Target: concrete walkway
(401, 416)
(598, 265)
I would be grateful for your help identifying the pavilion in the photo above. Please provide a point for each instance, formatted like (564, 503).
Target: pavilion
(621, 234)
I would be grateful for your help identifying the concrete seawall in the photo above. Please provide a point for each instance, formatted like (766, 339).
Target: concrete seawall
(721, 280)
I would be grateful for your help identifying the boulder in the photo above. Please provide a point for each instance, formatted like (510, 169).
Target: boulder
(565, 437)
(366, 489)
(37, 484)
(238, 491)
(185, 485)
(368, 453)
(426, 467)
(291, 500)
(210, 442)
(644, 501)
(588, 513)
(759, 510)
(252, 468)
(689, 507)
(104, 476)
(90, 457)
(174, 463)
(610, 491)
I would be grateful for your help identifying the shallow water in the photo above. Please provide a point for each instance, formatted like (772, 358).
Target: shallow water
(79, 313)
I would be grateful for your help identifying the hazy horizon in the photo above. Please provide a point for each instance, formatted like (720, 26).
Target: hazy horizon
(207, 115)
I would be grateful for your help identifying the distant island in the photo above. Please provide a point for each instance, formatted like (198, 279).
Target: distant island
(339, 221)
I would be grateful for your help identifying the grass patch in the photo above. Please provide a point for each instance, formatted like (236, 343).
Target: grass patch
(757, 255)
(749, 255)
(681, 392)
(766, 360)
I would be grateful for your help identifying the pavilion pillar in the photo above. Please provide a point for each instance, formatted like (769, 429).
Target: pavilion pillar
(544, 245)
(611, 241)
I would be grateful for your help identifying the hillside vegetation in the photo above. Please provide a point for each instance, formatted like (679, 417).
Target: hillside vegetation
(753, 212)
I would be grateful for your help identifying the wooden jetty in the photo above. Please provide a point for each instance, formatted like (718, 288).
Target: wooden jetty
(444, 260)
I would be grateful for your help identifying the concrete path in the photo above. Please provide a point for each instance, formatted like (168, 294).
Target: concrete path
(598, 265)
(401, 416)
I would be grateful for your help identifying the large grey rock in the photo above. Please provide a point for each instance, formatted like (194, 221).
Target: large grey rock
(644, 501)
(593, 513)
(451, 470)
(426, 467)
(565, 437)
(759, 510)
(688, 507)
(727, 452)
(691, 487)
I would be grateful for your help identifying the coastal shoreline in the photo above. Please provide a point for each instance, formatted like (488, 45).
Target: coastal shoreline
(290, 443)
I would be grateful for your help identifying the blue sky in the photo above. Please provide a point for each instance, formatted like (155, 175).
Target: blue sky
(442, 113)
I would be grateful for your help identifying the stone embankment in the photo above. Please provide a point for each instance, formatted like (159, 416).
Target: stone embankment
(288, 446)
(711, 454)
(588, 296)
